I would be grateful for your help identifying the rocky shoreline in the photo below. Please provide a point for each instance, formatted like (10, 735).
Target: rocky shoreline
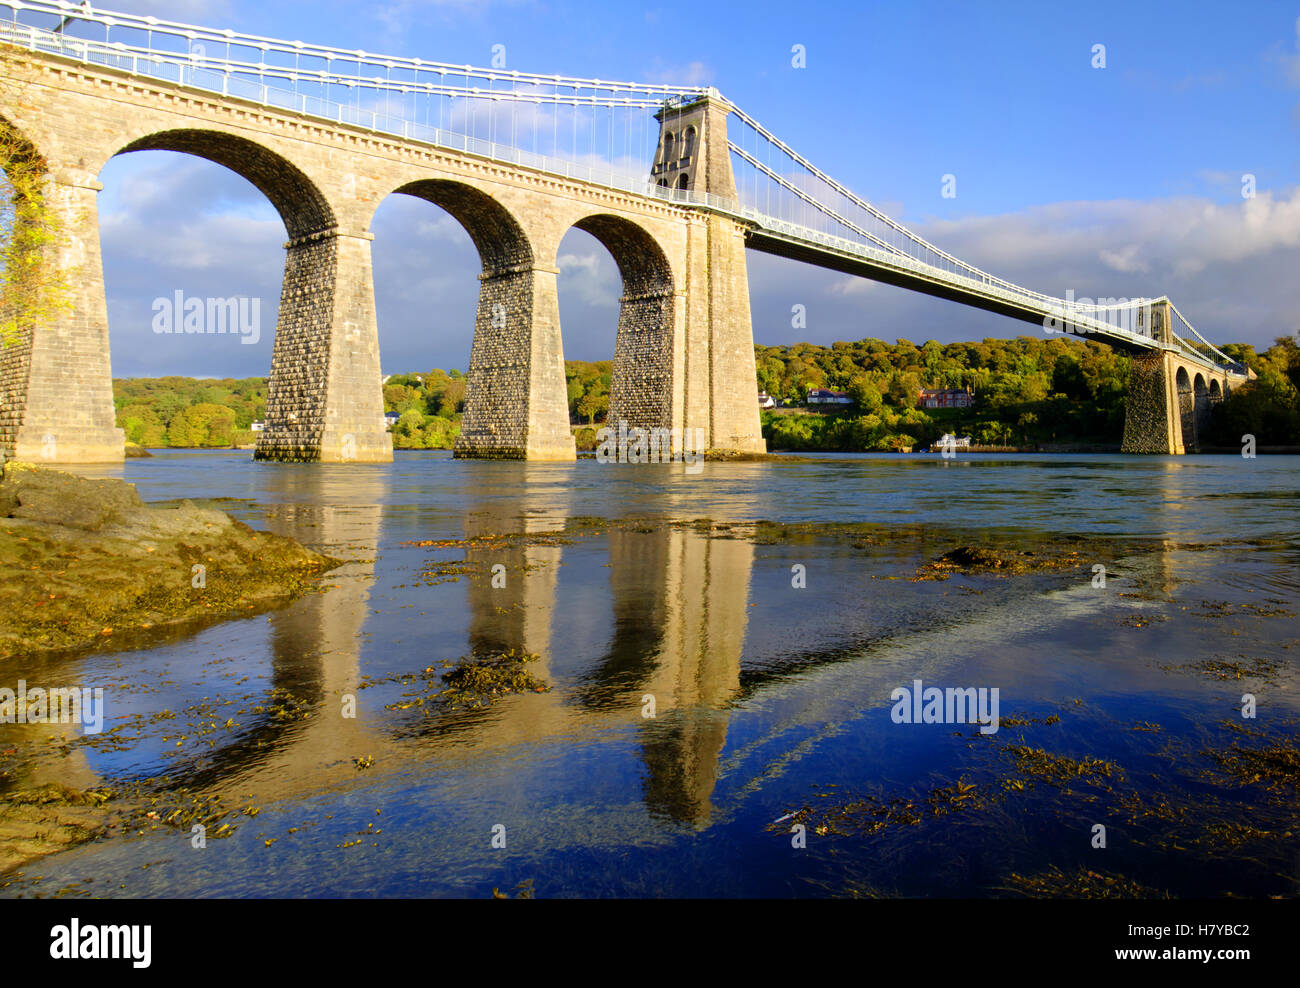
(84, 561)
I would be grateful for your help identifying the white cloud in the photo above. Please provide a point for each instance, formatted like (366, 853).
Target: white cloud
(1128, 236)
(849, 285)
(1292, 62)
(1125, 259)
(591, 277)
(1228, 267)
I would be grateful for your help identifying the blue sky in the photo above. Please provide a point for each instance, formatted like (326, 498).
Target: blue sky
(1120, 181)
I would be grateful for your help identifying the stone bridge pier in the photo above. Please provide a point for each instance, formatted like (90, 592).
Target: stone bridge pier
(324, 401)
(56, 390)
(1170, 397)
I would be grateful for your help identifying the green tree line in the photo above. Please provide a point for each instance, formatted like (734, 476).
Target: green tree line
(1028, 390)
(1267, 408)
(187, 412)
(430, 405)
(193, 413)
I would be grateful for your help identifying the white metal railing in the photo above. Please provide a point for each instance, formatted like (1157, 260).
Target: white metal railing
(587, 130)
(170, 70)
(166, 40)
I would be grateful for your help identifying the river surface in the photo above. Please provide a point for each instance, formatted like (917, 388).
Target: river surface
(720, 719)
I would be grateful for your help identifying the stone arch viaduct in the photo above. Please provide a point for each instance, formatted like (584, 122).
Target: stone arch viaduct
(683, 352)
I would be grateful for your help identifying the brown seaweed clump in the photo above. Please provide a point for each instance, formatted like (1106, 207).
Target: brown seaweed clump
(474, 681)
(48, 818)
(1053, 883)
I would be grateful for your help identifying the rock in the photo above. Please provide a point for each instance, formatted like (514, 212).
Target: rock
(48, 818)
(82, 561)
(63, 499)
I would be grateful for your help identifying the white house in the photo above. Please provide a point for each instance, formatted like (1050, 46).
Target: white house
(765, 400)
(949, 441)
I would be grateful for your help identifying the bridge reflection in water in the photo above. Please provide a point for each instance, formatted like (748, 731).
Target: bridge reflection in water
(676, 623)
(678, 602)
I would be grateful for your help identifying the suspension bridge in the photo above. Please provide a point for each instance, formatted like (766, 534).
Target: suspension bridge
(677, 182)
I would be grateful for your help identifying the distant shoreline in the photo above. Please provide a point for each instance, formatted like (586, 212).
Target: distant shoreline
(787, 454)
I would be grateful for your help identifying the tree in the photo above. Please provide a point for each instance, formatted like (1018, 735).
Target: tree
(440, 433)
(452, 399)
(575, 391)
(866, 394)
(182, 433)
(592, 405)
(904, 387)
(1027, 421)
(1288, 355)
(399, 397)
(142, 425)
(33, 286)
(408, 431)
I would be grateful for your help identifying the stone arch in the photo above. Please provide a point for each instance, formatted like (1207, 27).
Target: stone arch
(644, 382)
(321, 402)
(20, 151)
(27, 171)
(1186, 406)
(499, 237)
(1201, 402)
(684, 181)
(301, 205)
(515, 398)
(1216, 392)
(689, 140)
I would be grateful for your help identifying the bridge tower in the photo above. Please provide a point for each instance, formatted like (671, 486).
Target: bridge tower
(692, 153)
(718, 389)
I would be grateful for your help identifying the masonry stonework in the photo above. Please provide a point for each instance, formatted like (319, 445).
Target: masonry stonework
(58, 394)
(1168, 403)
(324, 400)
(683, 343)
(645, 378)
(1148, 423)
(683, 347)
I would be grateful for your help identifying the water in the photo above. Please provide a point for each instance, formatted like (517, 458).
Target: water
(768, 700)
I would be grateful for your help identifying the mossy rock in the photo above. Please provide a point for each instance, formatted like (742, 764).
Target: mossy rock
(82, 561)
(57, 498)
